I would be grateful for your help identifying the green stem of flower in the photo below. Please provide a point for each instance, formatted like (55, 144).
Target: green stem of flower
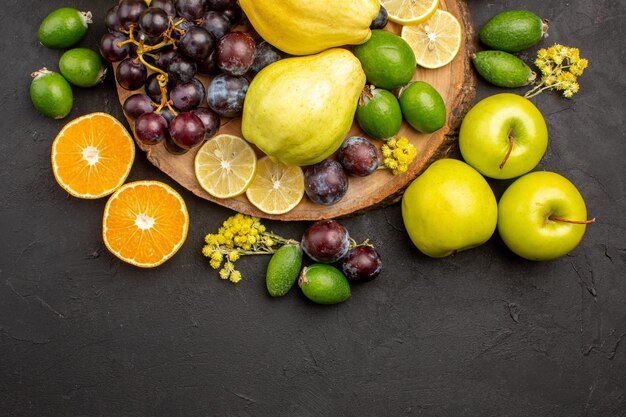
(536, 91)
(278, 238)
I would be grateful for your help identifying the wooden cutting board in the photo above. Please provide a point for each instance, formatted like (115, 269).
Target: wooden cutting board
(455, 82)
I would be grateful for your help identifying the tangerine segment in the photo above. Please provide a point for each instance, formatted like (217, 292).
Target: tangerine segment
(436, 41)
(276, 188)
(407, 12)
(92, 155)
(145, 223)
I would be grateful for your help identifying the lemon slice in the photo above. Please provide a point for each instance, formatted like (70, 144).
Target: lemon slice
(276, 188)
(436, 41)
(225, 166)
(410, 12)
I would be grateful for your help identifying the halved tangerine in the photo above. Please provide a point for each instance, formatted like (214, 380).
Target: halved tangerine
(92, 155)
(145, 223)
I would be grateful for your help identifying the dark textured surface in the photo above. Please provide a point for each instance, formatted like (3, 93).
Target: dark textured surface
(483, 333)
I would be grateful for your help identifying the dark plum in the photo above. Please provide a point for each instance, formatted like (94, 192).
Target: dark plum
(210, 120)
(216, 24)
(110, 48)
(154, 21)
(197, 43)
(326, 182)
(166, 5)
(235, 52)
(190, 9)
(264, 55)
(129, 12)
(131, 74)
(150, 128)
(362, 263)
(381, 20)
(187, 130)
(187, 96)
(111, 20)
(219, 5)
(226, 93)
(181, 69)
(326, 241)
(138, 104)
(358, 156)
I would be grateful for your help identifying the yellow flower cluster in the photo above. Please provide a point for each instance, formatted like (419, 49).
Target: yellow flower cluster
(239, 235)
(398, 154)
(560, 67)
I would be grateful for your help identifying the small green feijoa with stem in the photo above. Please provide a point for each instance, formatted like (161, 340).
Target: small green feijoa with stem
(63, 28)
(51, 94)
(283, 269)
(82, 67)
(513, 30)
(378, 113)
(503, 69)
(324, 284)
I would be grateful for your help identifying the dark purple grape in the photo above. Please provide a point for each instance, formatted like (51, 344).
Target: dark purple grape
(326, 182)
(111, 20)
(164, 57)
(184, 26)
(226, 94)
(264, 55)
(381, 20)
(190, 9)
(362, 263)
(150, 128)
(326, 241)
(131, 74)
(181, 69)
(167, 114)
(138, 104)
(153, 89)
(219, 5)
(216, 24)
(154, 21)
(210, 120)
(166, 5)
(187, 130)
(147, 39)
(129, 12)
(208, 65)
(233, 13)
(187, 96)
(110, 48)
(358, 156)
(197, 43)
(235, 52)
(172, 147)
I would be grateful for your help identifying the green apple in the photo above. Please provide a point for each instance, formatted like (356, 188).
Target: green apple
(542, 216)
(449, 208)
(503, 136)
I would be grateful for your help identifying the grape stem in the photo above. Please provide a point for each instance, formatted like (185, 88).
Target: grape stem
(143, 49)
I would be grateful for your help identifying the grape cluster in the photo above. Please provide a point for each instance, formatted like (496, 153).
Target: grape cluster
(163, 48)
(327, 182)
(328, 241)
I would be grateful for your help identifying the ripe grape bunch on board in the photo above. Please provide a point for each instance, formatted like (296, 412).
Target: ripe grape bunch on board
(163, 47)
